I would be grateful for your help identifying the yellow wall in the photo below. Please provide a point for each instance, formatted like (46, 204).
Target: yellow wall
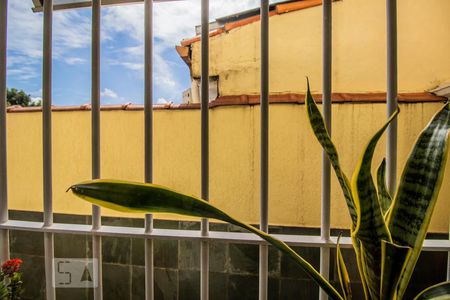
(359, 49)
(295, 157)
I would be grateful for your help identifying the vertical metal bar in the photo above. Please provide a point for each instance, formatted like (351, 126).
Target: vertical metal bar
(148, 117)
(95, 94)
(448, 262)
(391, 151)
(264, 107)
(95, 136)
(204, 248)
(149, 274)
(4, 234)
(47, 113)
(326, 109)
(448, 259)
(47, 146)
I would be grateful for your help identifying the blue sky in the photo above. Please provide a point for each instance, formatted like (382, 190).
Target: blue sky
(122, 50)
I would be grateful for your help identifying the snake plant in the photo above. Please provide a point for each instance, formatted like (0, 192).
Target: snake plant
(387, 232)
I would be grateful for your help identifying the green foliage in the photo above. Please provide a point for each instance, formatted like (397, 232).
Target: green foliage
(439, 291)
(387, 234)
(16, 97)
(3, 291)
(139, 197)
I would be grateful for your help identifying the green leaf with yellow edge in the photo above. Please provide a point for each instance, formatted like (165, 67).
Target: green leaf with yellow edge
(357, 248)
(344, 279)
(439, 291)
(371, 228)
(393, 258)
(149, 198)
(418, 190)
(383, 194)
(320, 131)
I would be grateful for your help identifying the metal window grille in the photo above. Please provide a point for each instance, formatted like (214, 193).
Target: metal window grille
(49, 228)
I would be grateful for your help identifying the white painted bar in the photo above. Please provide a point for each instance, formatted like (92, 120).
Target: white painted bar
(4, 234)
(326, 111)
(448, 261)
(49, 270)
(264, 149)
(148, 137)
(95, 136)
(194, 235)
(391, 94)
(47, 147)
(204, 246)
(87, 3)
(149, 260)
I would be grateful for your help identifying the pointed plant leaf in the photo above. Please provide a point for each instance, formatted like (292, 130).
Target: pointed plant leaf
(371, 228)
(320, 131)
(357, 248)
(149, 198)
(393, 258)
(370, 218)
(371, 268)
(383, 194)
(439, 291)
(344, 279)
(418, 189)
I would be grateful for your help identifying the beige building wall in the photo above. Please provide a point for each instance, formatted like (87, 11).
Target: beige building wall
(359, 49)
(295, 157)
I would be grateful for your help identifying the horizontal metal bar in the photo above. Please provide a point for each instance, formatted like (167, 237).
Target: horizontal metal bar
(175, 234)
(60, 5)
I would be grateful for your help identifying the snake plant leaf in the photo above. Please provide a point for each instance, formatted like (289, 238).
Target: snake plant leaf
(370, 223)
(440, 291)
(383, 194)
(344, 278)
(393, 258)
(357, 248)
(371, 268)
(320, 131)
(149, 198)
(371, 228)
(419, 188)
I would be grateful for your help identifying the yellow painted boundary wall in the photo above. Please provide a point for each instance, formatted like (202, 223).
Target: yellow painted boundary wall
(359, 49)
(295, 157)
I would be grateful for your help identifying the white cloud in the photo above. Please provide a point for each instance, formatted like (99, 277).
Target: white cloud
(74, 60)
(107, 93)
(111, 97)
(71, 30)
(23, 72)
(163, 101)
(134, 66)
(173, 21)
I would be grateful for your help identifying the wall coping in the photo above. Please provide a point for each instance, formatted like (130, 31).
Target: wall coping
(289, 98)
